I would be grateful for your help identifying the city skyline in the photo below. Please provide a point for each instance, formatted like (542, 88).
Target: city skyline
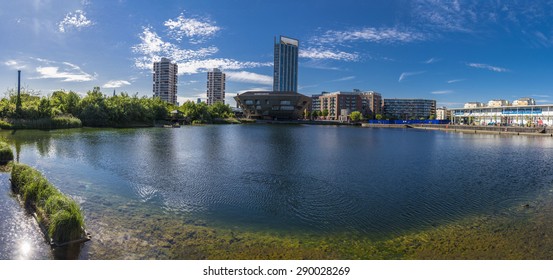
(451, 51)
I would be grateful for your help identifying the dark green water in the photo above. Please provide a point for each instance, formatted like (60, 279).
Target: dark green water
(286, 180)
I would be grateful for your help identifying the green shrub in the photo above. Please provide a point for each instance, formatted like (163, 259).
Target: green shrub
(5, 125)
(60, 214)
(6, 153)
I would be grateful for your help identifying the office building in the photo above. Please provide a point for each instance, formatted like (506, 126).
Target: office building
(273, 105)
(524, 101)
(285, 74)
(409, 109)
(165, 80)
(215, 87)
(514, 115)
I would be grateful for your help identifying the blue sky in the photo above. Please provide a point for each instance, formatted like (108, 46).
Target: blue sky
(451, 51)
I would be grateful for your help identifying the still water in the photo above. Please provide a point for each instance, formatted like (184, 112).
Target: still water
(138, 186)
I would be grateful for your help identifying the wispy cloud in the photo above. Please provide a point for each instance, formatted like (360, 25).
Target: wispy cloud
(441, 92)
(348, 78)
(432, 60)
(116, 84)
(369, 34)
(455, 81)
(15, 64)
(249, 77)
(152, 48)
(197, 30)
(488, 67)
(407, 74)
(75, 20)
(541, 95)
(319, 53)
(65, 71)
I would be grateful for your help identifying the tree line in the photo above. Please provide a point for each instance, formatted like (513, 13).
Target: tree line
(96, 109)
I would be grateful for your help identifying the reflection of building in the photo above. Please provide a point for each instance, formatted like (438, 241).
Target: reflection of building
(272, 105)
(215, 87)
(285, 75)
(165, 80)
(340, 102)
(409, 109)
(524, 101)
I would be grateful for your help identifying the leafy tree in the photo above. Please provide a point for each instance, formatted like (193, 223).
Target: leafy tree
(378, 116)
(325, 113)
(356, 116)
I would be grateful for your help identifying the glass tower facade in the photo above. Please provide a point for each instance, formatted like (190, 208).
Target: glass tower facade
(285, 76)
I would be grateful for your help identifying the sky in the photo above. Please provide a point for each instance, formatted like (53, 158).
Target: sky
(451, 51)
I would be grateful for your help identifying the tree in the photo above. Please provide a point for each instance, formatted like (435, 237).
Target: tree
(356, 116)
(432, 117)
(315, 114)
(378, 116)
(325, 113)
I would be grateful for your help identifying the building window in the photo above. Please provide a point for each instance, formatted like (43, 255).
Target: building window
(285, 102)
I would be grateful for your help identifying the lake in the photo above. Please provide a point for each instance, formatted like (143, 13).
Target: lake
(289, 191)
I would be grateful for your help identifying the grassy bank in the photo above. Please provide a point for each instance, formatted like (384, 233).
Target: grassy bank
(59, 214)
(43, 123)
(6, 153)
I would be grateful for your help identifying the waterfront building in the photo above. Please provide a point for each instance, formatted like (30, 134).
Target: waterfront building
(215, 86)
(272, 105)
(524, 101)
(165, 80)
(409, 109)
(474, 105)
(340, 103)
(498, 103)
(442, 114)
(316, 102)
(285, 73)
(521, 115)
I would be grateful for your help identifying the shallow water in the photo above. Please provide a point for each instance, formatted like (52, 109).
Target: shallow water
(141, 188)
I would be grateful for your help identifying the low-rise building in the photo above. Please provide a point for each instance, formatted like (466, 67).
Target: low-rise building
(409, 109)
(442, 113)
(525, 101)
(272, 105)
(474, 105)
(498, 103)
(366, 102)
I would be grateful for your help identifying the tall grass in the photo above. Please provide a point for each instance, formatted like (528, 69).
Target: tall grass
(43, 123)
(6, 153)
(60, 214)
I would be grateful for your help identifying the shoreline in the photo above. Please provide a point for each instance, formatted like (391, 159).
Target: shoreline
(497, 130)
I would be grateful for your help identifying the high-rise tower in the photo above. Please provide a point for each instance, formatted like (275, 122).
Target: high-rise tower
(215, 86)
(165, 80)
(285, 76)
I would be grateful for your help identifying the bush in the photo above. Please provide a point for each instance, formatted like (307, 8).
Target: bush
(5, 125)
(60, 214)
(6, 153)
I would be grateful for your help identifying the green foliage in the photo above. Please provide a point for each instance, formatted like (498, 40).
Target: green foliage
(6, 153)
(378, 116)
(60, 214)
(356, 116)
(325, 113)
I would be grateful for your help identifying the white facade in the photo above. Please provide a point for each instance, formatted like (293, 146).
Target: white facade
(165, 80)
(474, 105)
(441, 113)
(534, 115)
(524, 101)
(215, 86)
(498, 103)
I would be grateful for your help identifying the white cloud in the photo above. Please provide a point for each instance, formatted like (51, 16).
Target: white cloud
(348, 78)
(75, 20)
(441, 92)
(116, 84)
(14, 64)
(249, 77)
(455, 81)
(370, 34)
(65, 71)
(152, 48)
(432, 60)
(319, 53)
(197, 30)
(407, 74)
(488, 67)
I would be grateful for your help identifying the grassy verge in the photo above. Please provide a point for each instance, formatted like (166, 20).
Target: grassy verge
(6, 153)
(44, 123)
(60, 215)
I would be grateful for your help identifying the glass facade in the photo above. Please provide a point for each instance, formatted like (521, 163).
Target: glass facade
(285, 77)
